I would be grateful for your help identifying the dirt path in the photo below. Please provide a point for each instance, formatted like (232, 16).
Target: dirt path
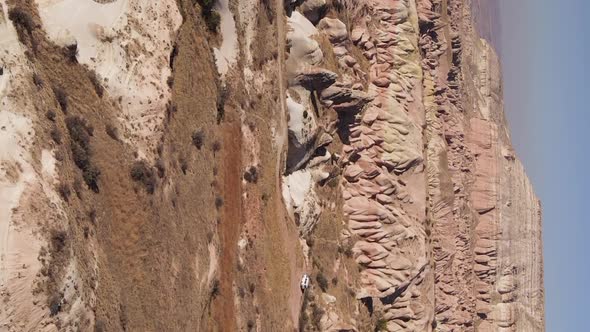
(230, 222)
(289, 233)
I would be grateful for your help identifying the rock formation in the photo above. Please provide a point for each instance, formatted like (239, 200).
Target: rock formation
(178, 165)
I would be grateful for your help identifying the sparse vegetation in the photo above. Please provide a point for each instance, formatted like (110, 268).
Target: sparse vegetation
(55, 304)
(316, 315)
(183, 165)
(198, 138)
(92, 215)
(251, 174)
(212, 18)
(37, 80)
(221, 99)
(50, 115)
(21, 19)
(381, 325)
(95, 80)
(80, 132)
(90, 176)
(71, 52)
(161, 168)
(55, 135)
(335, 281)
(218, 202)
(322, 281)
(141, 172)
(58, 240)
(215, 288)
(216, 146)
(170, 110)
(78, 188)
(346, 249)
(64, 191)
(62, 98)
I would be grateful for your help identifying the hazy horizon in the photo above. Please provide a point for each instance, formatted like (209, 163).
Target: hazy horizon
(545, 71)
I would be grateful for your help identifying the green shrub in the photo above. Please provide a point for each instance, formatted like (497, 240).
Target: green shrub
(212, 19)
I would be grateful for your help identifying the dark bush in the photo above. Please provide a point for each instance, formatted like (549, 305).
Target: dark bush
(216, 146)
(322, 281)
(251, 174)
(183, 165)
(161, 168)
(79, 130)
(212, 18)
(21, 19)
(50, 115)
(58, 240)
(170, 81)
(92, 215)
(91, 174)
(81, 157)
(78, 188)
(55, 305)
(198, 137)
(64, 191)
(316, 316)
(218, 202)
(55, 135)
(71, 53)
(37, 80)
(215, 288)
(141, 172)
(222, 95)
(62, 98)
(95, 80)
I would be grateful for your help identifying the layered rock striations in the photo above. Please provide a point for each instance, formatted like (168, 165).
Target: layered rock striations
(438, 209)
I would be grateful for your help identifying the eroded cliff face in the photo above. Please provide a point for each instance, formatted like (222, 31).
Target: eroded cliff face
(178, 165)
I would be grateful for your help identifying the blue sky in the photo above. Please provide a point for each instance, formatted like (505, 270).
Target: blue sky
(545, 53)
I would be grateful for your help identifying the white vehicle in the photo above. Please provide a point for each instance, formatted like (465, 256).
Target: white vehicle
(304, 282)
